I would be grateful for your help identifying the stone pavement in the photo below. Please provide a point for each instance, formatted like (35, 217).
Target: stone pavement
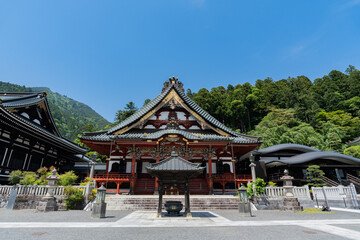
(266, 225)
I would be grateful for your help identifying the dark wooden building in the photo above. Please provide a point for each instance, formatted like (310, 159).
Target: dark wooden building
(271, 162)
(29, 138)
(172, 121)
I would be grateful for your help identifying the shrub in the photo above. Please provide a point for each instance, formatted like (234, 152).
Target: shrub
(259, 187)
(74, 198)
(271, 184)
(315, 176)
(68, 178)
(15, 176)
(43, 173)
(93, 194)
(86, 181)
(29, 178)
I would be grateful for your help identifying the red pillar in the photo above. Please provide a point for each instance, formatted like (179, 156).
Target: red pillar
(117, 187)
(211, 189)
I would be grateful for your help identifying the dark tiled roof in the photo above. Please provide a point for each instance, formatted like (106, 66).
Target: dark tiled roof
(17, 122)
(309, 156)
(174, 163)
(142, 135)
(233, 136)
(286, 146)
(17, 100)
(21, 100)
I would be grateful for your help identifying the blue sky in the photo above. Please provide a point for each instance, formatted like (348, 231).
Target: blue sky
(107, 53)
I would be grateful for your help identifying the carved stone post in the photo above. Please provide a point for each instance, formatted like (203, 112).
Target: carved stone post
(253, 174)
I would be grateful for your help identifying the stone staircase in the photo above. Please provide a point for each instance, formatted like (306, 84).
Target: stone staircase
(150, 202)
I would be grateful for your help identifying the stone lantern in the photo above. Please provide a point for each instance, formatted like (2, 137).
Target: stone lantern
(99, 206)
(287, 184)
(291, 203)
(244, 204)
(48, 203)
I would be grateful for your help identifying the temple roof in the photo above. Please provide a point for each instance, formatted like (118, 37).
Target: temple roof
(143, 135)
(19, 100)
(174, 163)
(310, 156)
(124, 131)
(15, 101)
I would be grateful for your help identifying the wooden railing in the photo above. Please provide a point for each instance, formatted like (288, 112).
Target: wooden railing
(113, 177)
(229, 177)
(353, 179)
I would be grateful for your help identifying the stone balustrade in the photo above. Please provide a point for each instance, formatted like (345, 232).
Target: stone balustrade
(279, 192)
(332, 193)
(35, 190)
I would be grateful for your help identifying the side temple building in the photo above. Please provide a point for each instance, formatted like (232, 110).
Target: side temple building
(29, 138)
(172, 122)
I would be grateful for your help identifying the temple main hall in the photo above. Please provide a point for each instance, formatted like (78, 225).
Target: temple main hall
(172, 122)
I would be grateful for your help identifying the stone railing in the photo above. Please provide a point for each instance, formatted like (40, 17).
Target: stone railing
(332, 193)
(279, 192)
(35, 190)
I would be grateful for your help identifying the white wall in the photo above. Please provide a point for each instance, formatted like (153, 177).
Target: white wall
(213, 167)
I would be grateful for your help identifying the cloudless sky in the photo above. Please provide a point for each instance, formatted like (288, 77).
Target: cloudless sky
(107, 53)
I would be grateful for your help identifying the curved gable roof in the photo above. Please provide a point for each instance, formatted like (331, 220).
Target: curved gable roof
(310, 156)
(287, 146)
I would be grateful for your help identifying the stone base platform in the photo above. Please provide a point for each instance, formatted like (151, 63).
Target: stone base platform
(150, 202)
(291, 204)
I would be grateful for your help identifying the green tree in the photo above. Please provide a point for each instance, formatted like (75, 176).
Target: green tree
(315, 176)
(353, 151)
(129, 110)
(344, 121)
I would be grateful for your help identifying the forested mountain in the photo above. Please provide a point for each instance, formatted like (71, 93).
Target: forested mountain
(70, 116)
(323, 114)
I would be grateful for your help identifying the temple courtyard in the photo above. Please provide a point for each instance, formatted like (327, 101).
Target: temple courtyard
(219, 224)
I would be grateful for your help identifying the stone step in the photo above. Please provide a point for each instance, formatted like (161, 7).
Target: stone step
(136, 202)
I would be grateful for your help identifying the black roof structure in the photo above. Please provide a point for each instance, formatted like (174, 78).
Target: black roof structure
(127, 132)
(10, 102)
(15, 101)
(306, 157)
(174, 169)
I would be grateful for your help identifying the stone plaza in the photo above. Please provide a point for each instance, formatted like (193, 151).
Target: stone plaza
(218, 224)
